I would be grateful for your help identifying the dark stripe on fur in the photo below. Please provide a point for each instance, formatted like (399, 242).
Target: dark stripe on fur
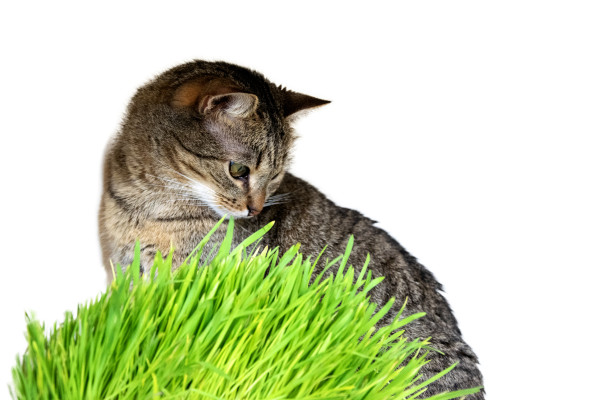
(204, 156)
(193, 169)
(121, 202)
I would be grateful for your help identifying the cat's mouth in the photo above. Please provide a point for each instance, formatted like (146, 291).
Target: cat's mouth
(222, 211)
(253, 204)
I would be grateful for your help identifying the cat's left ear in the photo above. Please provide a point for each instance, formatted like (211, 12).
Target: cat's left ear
(209, 95)
(236, 105)
(294, 102)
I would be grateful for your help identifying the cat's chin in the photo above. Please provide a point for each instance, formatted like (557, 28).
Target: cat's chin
(221, 212)
(236, 216)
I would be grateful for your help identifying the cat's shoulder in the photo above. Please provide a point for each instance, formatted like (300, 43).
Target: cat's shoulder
(301, 190)
(311, 198)
(292, 182)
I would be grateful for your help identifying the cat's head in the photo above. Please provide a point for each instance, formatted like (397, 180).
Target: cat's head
(211, 135)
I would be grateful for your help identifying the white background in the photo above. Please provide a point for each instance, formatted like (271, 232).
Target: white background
(468, 129)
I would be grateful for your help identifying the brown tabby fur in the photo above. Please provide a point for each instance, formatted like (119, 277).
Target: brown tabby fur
(183, 128)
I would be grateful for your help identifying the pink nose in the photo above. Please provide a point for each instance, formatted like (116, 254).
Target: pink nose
(253, 211)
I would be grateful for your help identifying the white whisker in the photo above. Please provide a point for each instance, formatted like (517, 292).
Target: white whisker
(280, 196)
(173, 188)
(187, 199)
(191, 192)
(183, 175)
(278, 199)
(238, 226)
(171, 181)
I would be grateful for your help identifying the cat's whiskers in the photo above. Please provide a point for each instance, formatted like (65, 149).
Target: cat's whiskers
(194, 191)
(190, 198)
(171, 183)
(207, 195)
(175, 194)
(162, 178)
(191, 202)
(173, 188)
(238, 226)
(193, 181)
(278, 199)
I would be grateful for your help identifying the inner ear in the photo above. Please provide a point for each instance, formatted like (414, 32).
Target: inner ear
(211, 95)
(237, 105)
(189, 94)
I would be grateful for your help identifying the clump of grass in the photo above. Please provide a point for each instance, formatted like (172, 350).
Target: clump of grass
(244, 325)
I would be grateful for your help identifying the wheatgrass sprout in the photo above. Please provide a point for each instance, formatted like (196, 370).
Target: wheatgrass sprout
(246, 324)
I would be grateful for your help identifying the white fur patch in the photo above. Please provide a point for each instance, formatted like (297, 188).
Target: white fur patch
(207, 195)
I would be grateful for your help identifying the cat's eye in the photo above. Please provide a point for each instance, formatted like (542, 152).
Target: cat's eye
(238, 171)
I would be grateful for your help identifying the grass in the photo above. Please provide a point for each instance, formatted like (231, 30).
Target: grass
(247, 324)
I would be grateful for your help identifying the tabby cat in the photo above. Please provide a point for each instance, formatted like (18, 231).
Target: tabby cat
(208, 139)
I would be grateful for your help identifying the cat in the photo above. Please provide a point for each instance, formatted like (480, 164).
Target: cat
(208, 139)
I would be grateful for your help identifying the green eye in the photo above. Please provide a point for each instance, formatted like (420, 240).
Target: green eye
(238, 171)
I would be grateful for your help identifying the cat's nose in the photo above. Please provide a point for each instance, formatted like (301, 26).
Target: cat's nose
(255, 202)
(253, 211)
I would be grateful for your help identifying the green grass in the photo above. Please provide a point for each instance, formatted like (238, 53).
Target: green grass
(224, 330)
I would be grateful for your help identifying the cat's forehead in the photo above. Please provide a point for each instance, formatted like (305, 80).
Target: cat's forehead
(264, 157)
(238, 152)
(246, 137)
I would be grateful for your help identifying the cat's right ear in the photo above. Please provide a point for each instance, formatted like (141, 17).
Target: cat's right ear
(294, 102)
